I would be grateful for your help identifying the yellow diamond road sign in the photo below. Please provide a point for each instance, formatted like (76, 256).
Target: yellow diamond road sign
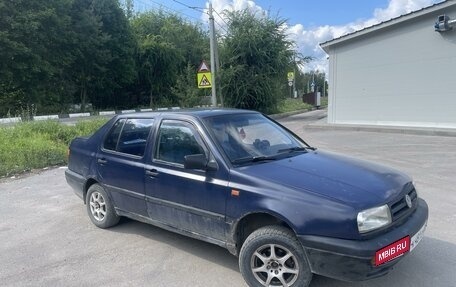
(204, 80)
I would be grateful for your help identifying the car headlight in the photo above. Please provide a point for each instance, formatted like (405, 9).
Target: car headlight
(373, 218)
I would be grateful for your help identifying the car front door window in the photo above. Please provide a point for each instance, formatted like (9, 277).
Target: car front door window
(176, 139)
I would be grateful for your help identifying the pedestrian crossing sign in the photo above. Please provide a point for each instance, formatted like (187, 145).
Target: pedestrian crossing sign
(204, 80)
(290, 76)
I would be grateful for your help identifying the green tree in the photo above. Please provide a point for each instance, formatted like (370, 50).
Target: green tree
(304, 82)
(128, 9)
(33, 54)
(255, 56)
(185, 89)
(89, 46)
(159, 61)
(109, 90)
(167, 44)
(57, 52)
(103, 49)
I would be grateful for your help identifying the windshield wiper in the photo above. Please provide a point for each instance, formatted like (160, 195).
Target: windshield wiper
(253, 159)
(293, 149)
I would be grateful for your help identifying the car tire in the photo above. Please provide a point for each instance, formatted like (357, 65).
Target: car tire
(286, 266)
(99, 207)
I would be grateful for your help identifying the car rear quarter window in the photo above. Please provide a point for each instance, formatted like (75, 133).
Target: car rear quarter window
(129, 136)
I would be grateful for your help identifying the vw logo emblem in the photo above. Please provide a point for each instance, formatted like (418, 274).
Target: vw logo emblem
(408, 200)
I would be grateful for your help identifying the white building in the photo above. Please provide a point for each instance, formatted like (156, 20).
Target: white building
(398, 73)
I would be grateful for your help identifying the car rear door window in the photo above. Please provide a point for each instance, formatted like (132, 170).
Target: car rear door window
(132, 138)
(112, 138)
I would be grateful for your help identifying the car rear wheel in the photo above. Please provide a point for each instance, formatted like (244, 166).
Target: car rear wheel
(273, 256)
(99, 207)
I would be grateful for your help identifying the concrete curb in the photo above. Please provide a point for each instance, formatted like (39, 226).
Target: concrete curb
(288, 114)
(48, 117)
(83, 115)
(386, 129)
(79, 115)
(10, 120)
(107, 113)
(118, 112)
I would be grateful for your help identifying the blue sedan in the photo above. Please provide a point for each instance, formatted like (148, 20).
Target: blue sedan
(240, 180)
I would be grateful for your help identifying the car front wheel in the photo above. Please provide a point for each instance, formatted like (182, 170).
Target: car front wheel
(273, 256)
(99, 207)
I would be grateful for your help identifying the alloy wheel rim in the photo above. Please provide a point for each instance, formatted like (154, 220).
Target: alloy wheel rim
(274, 265)
(97, 206)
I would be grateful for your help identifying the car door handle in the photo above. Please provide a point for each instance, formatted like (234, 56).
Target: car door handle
(151, 172)
(102, 161)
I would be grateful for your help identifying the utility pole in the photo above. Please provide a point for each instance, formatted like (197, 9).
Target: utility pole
(212, 46)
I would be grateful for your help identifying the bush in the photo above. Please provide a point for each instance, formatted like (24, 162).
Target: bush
(290, 105)
(85, 128)
(31, 145)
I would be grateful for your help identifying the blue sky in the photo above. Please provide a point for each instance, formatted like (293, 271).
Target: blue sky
(316, 13)
(309, 22)
(309, 13)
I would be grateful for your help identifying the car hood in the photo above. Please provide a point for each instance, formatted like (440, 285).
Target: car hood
(355, 182)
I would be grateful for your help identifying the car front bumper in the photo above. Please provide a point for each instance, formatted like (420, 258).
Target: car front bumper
(353, 260)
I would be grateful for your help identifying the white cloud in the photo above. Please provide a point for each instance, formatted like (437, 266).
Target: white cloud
(232, 5)
(398, 7)
(308, 39)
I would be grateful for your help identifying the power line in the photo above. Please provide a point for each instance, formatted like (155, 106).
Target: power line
(199, 9)
(170, 11)
(221, 18)
(176, 11)
(220, 26)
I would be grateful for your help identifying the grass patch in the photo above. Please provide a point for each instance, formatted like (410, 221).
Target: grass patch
(290, 105)
(324, 102)
(31, 145)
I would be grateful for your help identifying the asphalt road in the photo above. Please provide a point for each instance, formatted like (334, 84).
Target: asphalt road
(46, 238)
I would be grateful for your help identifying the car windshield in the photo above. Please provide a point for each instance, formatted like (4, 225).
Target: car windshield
(248, 138)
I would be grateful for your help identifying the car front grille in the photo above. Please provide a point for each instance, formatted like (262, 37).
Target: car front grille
(399, 208)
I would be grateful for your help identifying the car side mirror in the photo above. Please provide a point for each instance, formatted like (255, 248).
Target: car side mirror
(199, 161)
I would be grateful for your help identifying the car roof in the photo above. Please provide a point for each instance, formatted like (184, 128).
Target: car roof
(198, 112)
